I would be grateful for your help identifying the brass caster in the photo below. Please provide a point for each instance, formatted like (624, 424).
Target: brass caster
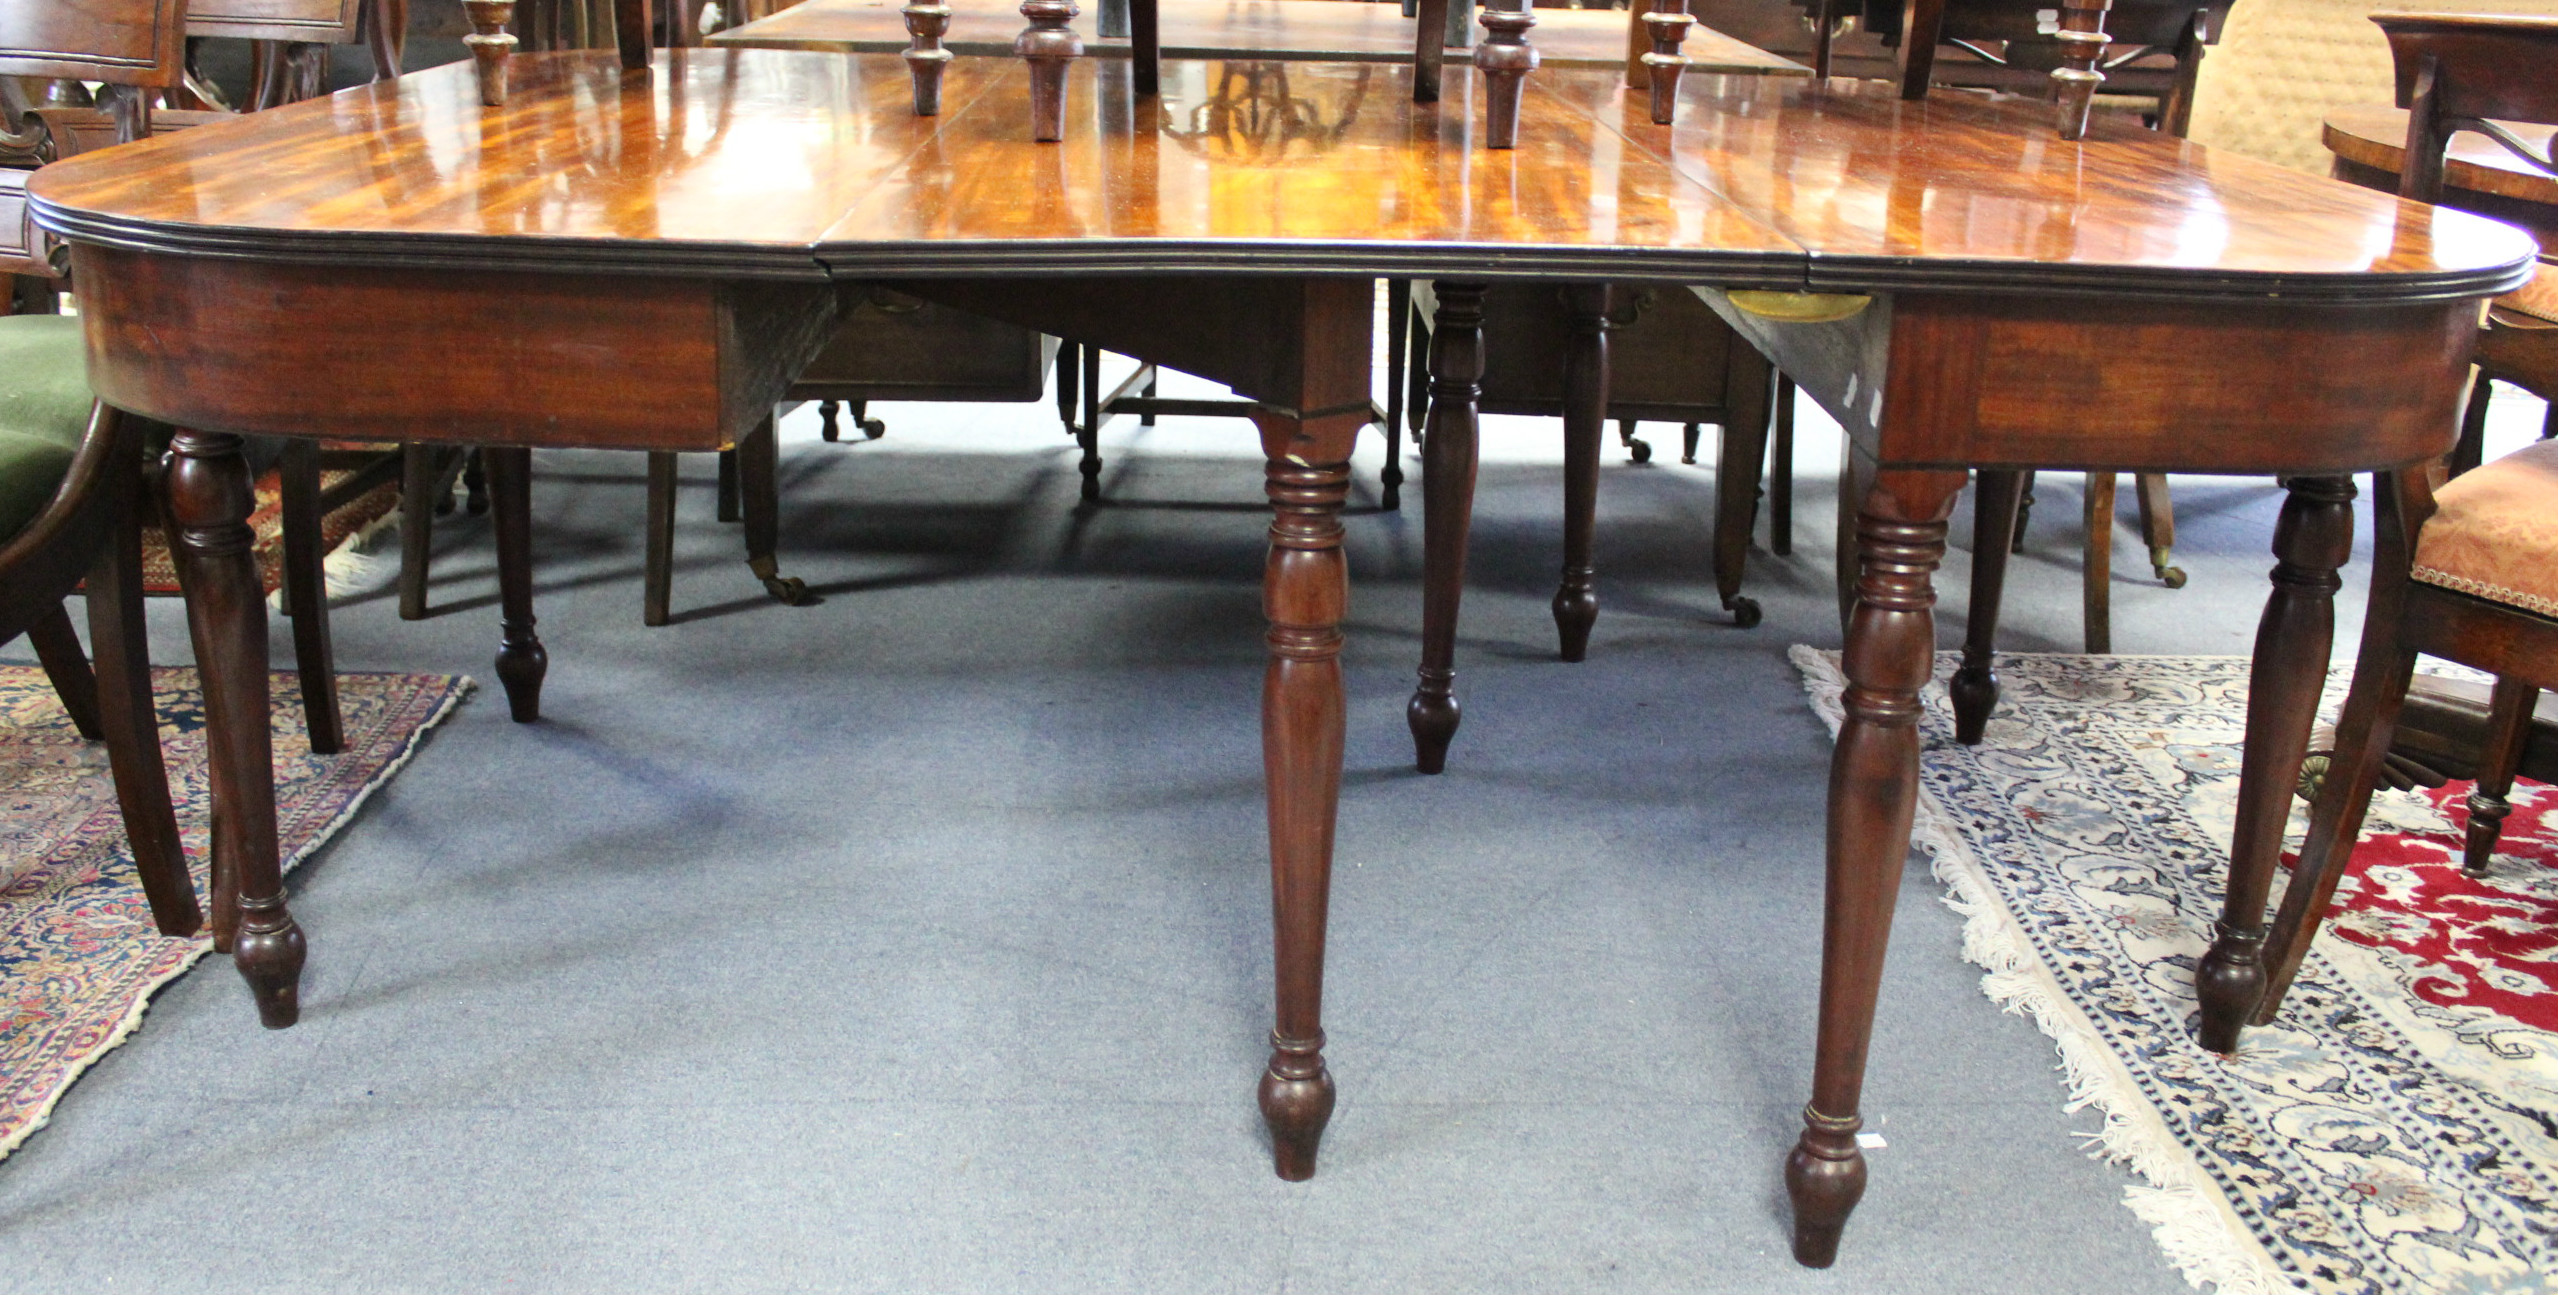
(1745, 612)
(789, 590)
(2169, 575)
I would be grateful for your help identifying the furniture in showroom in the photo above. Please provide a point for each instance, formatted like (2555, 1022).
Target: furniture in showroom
(654, 298)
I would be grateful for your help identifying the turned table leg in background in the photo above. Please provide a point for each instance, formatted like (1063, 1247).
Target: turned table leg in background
(1305, 590)
(2312, 539)
(1891, 640)
(521, 660)
(1447, 494)
(209, 501)
(1585, 426)
(1997, 494)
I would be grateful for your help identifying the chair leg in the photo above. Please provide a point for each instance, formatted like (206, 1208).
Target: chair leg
(131, 723)
(1070, 366)
(1636, 448)
(2471, 448)
(307, 596)
(1398, 354)
(475, 482)
(1153, 380)
(58, 647)
(1690, 435)
(730, 508)
(1998, 493)
(417, 526)
(759, 482)
(1416, 400)
(522, 661)
(2508, 729)
(2024, 513)
(657, 581)
(1781, 471)
(828, 429)
(2158, 527)
(1088, 435)
(2096, 577)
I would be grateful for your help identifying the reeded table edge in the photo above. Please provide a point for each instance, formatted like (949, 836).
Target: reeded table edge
(1828, 272)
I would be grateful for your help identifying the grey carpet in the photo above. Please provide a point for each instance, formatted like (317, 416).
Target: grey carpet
(917, 939)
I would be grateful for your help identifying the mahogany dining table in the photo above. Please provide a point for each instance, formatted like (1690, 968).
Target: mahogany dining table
(643, 259)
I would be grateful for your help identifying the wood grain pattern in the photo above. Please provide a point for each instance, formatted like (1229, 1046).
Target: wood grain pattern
(763, 162)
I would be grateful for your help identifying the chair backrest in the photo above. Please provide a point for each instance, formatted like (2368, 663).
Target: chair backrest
(317, 22)
(2461, 72)
(120, 42)
(2027, 42)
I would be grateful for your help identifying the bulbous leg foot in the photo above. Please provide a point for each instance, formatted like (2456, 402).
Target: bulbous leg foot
(1432, 715)
(1824, 1177)
(1975, 693)
(2229, 983)
(269, 950)
(1296, 1102)
(1576, 609)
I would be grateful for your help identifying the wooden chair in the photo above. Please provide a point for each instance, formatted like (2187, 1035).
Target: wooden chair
(2467, 571)
(71, 468)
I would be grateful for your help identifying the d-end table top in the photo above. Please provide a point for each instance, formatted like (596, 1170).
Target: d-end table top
(2375, 135)
(772, 163)
(1335, 30)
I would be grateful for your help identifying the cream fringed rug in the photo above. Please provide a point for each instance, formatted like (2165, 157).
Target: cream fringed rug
(2396, 1129)
(79, 956)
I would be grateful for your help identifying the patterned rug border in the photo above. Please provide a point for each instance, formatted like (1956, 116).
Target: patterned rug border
(2189, 1215)
(457, 690)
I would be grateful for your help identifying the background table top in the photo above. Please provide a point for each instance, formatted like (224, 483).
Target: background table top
(749, 163)
(1281, 29)
(2376, 135)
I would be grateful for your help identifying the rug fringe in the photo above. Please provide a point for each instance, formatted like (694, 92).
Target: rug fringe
(463, 687)
(2189, 1217)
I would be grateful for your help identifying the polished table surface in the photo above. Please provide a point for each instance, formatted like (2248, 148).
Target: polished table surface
(645, 260)
(1336, 30)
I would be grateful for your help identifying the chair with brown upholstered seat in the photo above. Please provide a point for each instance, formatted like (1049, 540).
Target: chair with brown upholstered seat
(2467, 571)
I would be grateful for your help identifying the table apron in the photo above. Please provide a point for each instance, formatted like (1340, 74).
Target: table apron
(2277, 388)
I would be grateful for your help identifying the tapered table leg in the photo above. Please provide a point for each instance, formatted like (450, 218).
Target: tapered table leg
(1900, 538)
(2312, 539)
(209, 501)
(1305, 590)
(1585, 426)
(1974, 688)
(657, 572)
(759, 485)
(1447, 493)
(521, 660)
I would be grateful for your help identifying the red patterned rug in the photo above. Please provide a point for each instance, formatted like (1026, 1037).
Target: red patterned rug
(79, 957)
(2487, 942)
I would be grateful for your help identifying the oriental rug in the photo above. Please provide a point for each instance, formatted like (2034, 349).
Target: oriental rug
(2395, 1129)
(79, 957)
(344, 531)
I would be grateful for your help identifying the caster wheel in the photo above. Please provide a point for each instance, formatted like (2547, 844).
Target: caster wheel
(2172, 577)
(789, 590)
(1641, 451)
(1745, 613)
(873, 429)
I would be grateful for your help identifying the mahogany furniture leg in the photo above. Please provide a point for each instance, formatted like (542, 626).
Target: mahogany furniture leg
(1398, 351)
(475, 482)
(657, 579)
(1891, 640)
(128, 719)
(1145, 46)
(1447, 501)
(1048, 44)
(759, 482)
(307, 596)
(1429, 49)
(1667, 23)
(1922, 21)
(1974, 688)
(729, 508)
(521, 660)
(490, 45)
(2074, 82)
(1585, 426)
(1690, 435)
(1088, 436)
(1737, 455)
(2508, 732)
(417, 526)
(386, 35)
(2471, 448)
(1069, 367)
(2312, 539)
(1781, 472)
(926, 60)
(209, 501)
(57, 648)
(2096, 573)
(1505, 58)
(634, 30)
(1305, 587)
(2158, 527)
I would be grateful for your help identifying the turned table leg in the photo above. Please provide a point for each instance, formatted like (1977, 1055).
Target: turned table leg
(1974, 688)
(1585, 425)
(521, 660)
(209, 501)
(1305, 589)
(1447, 494)
(2313, 537)
(1900, 538)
